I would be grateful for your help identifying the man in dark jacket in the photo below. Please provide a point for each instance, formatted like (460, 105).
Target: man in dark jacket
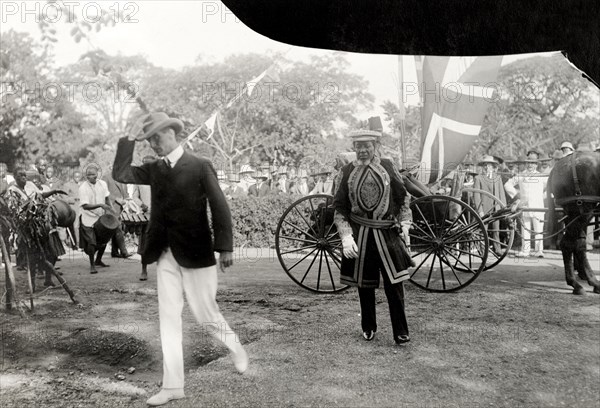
(180, 239)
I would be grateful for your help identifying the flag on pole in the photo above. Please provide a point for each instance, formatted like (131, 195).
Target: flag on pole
(208, 126)
(456, 93)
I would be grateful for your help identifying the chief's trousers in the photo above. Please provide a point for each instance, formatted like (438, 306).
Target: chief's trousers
(200, 287)
(395, 298)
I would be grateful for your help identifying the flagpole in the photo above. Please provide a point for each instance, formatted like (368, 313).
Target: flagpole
(402, 111)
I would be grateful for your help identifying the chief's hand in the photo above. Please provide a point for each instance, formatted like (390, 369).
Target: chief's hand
(349, 247)
(406, 225)
(225, 260)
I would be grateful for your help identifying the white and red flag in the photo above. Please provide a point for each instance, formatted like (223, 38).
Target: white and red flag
(456, 93)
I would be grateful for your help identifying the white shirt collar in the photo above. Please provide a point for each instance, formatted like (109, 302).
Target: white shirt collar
(175, 155)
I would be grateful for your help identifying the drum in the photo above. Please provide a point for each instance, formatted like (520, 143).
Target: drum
(134, 223)
(105, 228)
(65, 216)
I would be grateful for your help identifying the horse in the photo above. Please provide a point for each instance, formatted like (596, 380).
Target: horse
(575, 184)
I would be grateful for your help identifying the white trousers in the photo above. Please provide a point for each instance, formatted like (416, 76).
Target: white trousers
(534, 224)
(200, 287)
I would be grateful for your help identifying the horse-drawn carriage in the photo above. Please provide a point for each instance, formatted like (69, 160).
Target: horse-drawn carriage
(449, 239)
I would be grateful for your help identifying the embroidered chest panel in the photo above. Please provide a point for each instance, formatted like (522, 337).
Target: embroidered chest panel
(369, 190)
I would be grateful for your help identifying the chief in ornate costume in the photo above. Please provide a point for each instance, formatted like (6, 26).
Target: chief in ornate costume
(371, 210)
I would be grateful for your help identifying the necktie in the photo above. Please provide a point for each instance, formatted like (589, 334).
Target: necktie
(168, 162)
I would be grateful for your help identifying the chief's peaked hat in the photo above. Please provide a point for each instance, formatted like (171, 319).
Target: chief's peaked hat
(155, 122)
(364, 135)
(375, 124)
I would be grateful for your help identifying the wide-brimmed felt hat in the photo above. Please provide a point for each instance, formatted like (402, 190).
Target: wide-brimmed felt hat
(499, 159)
(488, 159)
(322, 170)
(262, 174)
(246, 168)
(533, 151)
(544, 158)
(585, 147)
(568, 145)
(364, 135)
(529, 160)
(302, 173)
(154, 122)
(469, 168)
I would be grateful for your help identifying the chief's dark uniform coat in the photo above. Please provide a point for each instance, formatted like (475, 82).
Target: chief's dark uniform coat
(375, 193)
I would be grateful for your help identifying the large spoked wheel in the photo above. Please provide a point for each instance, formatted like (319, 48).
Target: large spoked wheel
(501, 231)
(447, 234)
(308, 245)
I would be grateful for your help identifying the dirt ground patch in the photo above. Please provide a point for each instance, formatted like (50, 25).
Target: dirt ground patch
(503, 341)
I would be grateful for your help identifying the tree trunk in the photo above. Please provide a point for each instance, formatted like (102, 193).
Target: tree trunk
(62, 282)
(10, 277)
(29, 283)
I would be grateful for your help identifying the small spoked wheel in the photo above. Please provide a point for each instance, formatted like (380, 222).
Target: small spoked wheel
(308, 244)
(501, 231)
(448, 243)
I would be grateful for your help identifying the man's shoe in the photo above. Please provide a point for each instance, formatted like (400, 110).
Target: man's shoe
(403, 339)
(538, 254)
(102, 264)
(93, 271)
(369, 335)
(240, 359)
(165, 395)
(50, 285)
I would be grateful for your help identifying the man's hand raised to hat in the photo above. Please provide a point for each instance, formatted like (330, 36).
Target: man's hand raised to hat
(137, 128)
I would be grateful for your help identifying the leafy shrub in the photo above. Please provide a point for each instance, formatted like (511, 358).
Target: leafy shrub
(255, 218)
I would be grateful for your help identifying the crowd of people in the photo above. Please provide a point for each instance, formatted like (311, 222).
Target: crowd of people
(270, 180)
(523, 179)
